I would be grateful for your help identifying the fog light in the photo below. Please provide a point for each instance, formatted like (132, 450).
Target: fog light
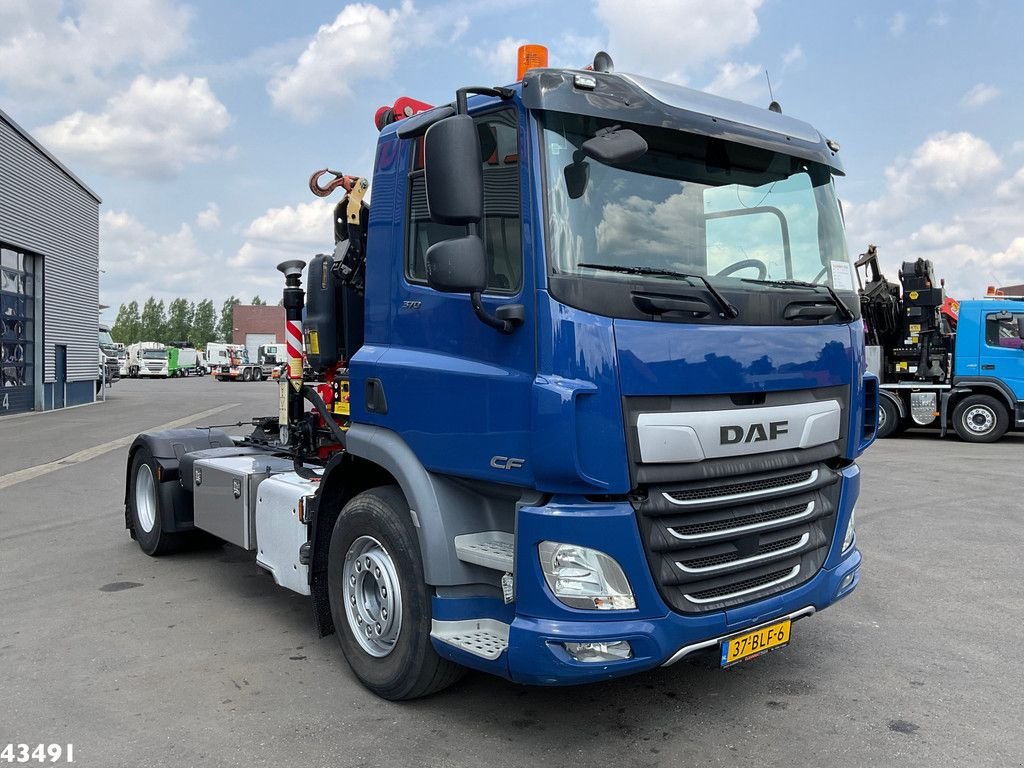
(847, 581)
(849, 537)
(581, 577)
(617, 650)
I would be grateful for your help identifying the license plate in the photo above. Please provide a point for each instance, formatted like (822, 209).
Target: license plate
(751, 644)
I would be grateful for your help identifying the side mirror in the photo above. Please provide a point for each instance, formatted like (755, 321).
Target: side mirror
(453, 171)
(457, 265)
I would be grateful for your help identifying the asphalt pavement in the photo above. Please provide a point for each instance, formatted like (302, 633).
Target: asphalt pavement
(199, 659)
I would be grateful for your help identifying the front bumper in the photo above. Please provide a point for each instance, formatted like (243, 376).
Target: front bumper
(539, 624)
(536, 655)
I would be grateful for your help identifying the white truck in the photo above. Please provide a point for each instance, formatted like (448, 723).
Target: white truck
(148, 359)
(230, 362)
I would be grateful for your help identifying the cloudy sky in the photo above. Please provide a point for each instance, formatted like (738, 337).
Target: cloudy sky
(198, 123)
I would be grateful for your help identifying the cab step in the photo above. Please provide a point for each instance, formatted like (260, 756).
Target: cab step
(491, 549)
(486, 638)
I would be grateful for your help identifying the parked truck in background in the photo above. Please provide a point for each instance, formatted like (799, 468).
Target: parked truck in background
(270, 358)
(587, 391)
(942, 362)
(233, 364)
(183, 361)
(109, 364)
(148, 359)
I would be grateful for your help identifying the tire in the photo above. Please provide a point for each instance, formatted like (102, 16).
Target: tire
(980, 419)
(257, 374)
(247, 374)
(399, 662)
(888, 417)
(146, 508)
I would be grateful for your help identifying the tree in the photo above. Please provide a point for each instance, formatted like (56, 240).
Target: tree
(204, 324)
(126, 327)
(179, 320)
(226, 327)
(258, 302)
(153, 323)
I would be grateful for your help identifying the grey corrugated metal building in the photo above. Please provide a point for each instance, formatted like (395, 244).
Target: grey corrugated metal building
(49, 278)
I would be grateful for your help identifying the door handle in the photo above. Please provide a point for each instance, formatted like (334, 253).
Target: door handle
(988, 367)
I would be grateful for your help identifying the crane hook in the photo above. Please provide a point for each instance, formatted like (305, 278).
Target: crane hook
(340, 180)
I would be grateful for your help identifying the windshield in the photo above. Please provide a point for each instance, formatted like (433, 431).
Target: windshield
(691, 204)
(105, 338)
(155, 354)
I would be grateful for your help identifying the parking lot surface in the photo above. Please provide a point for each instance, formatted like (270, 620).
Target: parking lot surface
(199, 659)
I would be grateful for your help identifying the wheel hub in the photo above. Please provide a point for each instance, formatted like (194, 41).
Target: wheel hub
(373, 596)
(145, 497)
(979, 420)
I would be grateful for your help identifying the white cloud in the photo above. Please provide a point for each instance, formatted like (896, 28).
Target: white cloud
(954, 203)
(52, 46)
(939, 19)
(500, 59)
(152, 130)
(139, 262)
(898, 24)
(209, 217)
(944, 166)
(362, 42)
(305, 224)
(740, 81)
(289, 232)
(980, 95)
(793, 56)
(668, 38)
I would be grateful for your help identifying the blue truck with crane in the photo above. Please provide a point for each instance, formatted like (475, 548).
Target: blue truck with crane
(942, 362)
(581, 393)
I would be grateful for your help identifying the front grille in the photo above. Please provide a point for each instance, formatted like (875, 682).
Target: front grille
(712, 527)
(744, 586)
(716, 544)
(741, 489)
(713, 561)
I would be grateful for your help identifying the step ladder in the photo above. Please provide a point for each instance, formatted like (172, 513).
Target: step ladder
(486, 638)
(491, 549)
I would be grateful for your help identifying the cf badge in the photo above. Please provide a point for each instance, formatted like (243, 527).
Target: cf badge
(504, 462)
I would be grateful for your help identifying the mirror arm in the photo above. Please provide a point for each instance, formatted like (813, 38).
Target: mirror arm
(485, 317)
(462, 95)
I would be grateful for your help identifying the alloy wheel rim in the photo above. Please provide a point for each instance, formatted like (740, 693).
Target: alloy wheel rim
(373, 596)
(145, 498)
(979, 420)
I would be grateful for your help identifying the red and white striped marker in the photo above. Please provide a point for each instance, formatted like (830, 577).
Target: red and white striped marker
(293, 341)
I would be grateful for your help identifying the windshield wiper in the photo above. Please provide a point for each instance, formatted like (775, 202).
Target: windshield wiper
(727, 309)
(841, 307)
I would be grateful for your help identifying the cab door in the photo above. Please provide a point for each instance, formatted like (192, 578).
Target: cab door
(1002, 350)
(458, 391)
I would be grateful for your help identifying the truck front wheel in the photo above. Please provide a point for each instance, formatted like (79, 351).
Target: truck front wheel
(889, 421)
(146, 508)
(980, 419)
(380, 603)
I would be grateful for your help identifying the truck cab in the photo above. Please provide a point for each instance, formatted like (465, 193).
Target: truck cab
(607, 388)
(988, 353)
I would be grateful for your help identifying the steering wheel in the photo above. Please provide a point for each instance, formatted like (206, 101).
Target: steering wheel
(736, 266)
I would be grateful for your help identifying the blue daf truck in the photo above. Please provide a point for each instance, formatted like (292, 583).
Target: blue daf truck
(581, 393)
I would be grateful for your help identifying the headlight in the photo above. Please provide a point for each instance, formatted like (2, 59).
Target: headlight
(848, 538)
(585, 578)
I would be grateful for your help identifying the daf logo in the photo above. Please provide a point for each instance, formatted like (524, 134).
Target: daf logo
(755, 433)
(504, 462)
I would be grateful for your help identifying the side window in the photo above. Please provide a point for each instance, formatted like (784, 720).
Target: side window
(501, 227)
(1004, 330)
